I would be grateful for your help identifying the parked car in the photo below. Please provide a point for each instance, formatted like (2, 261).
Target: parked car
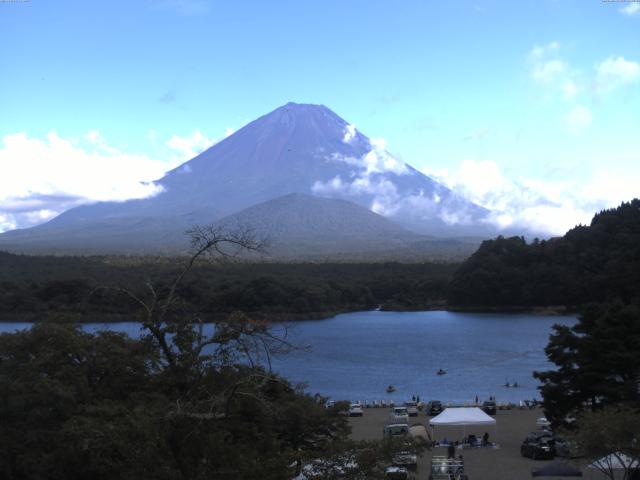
(355, 410)
(538, 447)
(339, 468)
(406, 459)
(538, 434)
(412, 408)
(340, 407)
(399, 415)
(395, 430)
(396, 473)
(543, 422)
(435, 408)
(489, 407)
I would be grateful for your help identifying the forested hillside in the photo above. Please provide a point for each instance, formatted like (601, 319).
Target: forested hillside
(595, 263)
(71, 288)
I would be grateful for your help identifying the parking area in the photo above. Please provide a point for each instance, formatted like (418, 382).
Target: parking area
(484, 463)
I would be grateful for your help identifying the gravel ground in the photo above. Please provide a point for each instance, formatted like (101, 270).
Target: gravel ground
(503, 463)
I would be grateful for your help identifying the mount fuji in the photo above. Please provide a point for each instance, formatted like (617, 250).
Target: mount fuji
(300, 149)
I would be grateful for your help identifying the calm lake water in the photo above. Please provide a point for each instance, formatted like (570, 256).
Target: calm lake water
(357, 355)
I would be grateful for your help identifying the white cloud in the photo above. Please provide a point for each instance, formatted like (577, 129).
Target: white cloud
(539, 52)
(189, 147)
(491, 178)
(578, 119)
(39, 216)
(561, 81)
(452, 217)
(349, 133)
(369, 178)
(570, 89)
(631, 9)
(43, 177)
(364, 185)
(551, 206)
(7, 222)
(550, 71)
(368, 175)
(335, 185)
(553, 73)
(54, 165)
(376, 160)
(615, 72)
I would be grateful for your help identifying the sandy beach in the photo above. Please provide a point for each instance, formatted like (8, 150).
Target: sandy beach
(503, 463)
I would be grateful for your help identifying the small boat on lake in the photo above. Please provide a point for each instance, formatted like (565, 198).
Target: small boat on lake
(441, 372)
(391, 389)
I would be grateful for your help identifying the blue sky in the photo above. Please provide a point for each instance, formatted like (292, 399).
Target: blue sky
(531, 107)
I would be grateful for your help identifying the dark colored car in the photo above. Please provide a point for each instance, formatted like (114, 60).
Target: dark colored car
(406, 459)
(489, 407)
(435, 408)
(538, 447)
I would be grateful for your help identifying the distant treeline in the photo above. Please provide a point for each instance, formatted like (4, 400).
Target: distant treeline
(596, 263)
(89, 288)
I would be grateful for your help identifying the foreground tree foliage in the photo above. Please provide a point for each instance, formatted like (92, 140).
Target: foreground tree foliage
(185, 401)
(76, 405)
(598, 362)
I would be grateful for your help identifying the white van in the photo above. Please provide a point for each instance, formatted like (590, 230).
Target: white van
(395, 430)
(399, 415)
(412, 408)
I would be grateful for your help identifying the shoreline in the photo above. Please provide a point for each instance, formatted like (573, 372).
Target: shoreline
(554, 310)
(279, 317)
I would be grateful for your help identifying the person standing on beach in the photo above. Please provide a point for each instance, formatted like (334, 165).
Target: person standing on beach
(476, 399)
(451, 451)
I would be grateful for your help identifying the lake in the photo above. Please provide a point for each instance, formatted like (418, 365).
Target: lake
(357, 355)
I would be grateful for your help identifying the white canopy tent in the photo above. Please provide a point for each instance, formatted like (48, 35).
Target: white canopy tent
(462, 416)
(613, 463)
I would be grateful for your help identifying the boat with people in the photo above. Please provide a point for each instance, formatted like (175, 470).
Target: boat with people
(391, 389)
(441, 372)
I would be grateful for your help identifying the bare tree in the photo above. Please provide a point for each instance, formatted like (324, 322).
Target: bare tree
(189, 349)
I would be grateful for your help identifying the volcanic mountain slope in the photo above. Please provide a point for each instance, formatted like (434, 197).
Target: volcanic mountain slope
(302, 225)
(297, 148)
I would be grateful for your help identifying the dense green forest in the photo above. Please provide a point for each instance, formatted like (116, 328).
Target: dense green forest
(595, 263)
(71, 288)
